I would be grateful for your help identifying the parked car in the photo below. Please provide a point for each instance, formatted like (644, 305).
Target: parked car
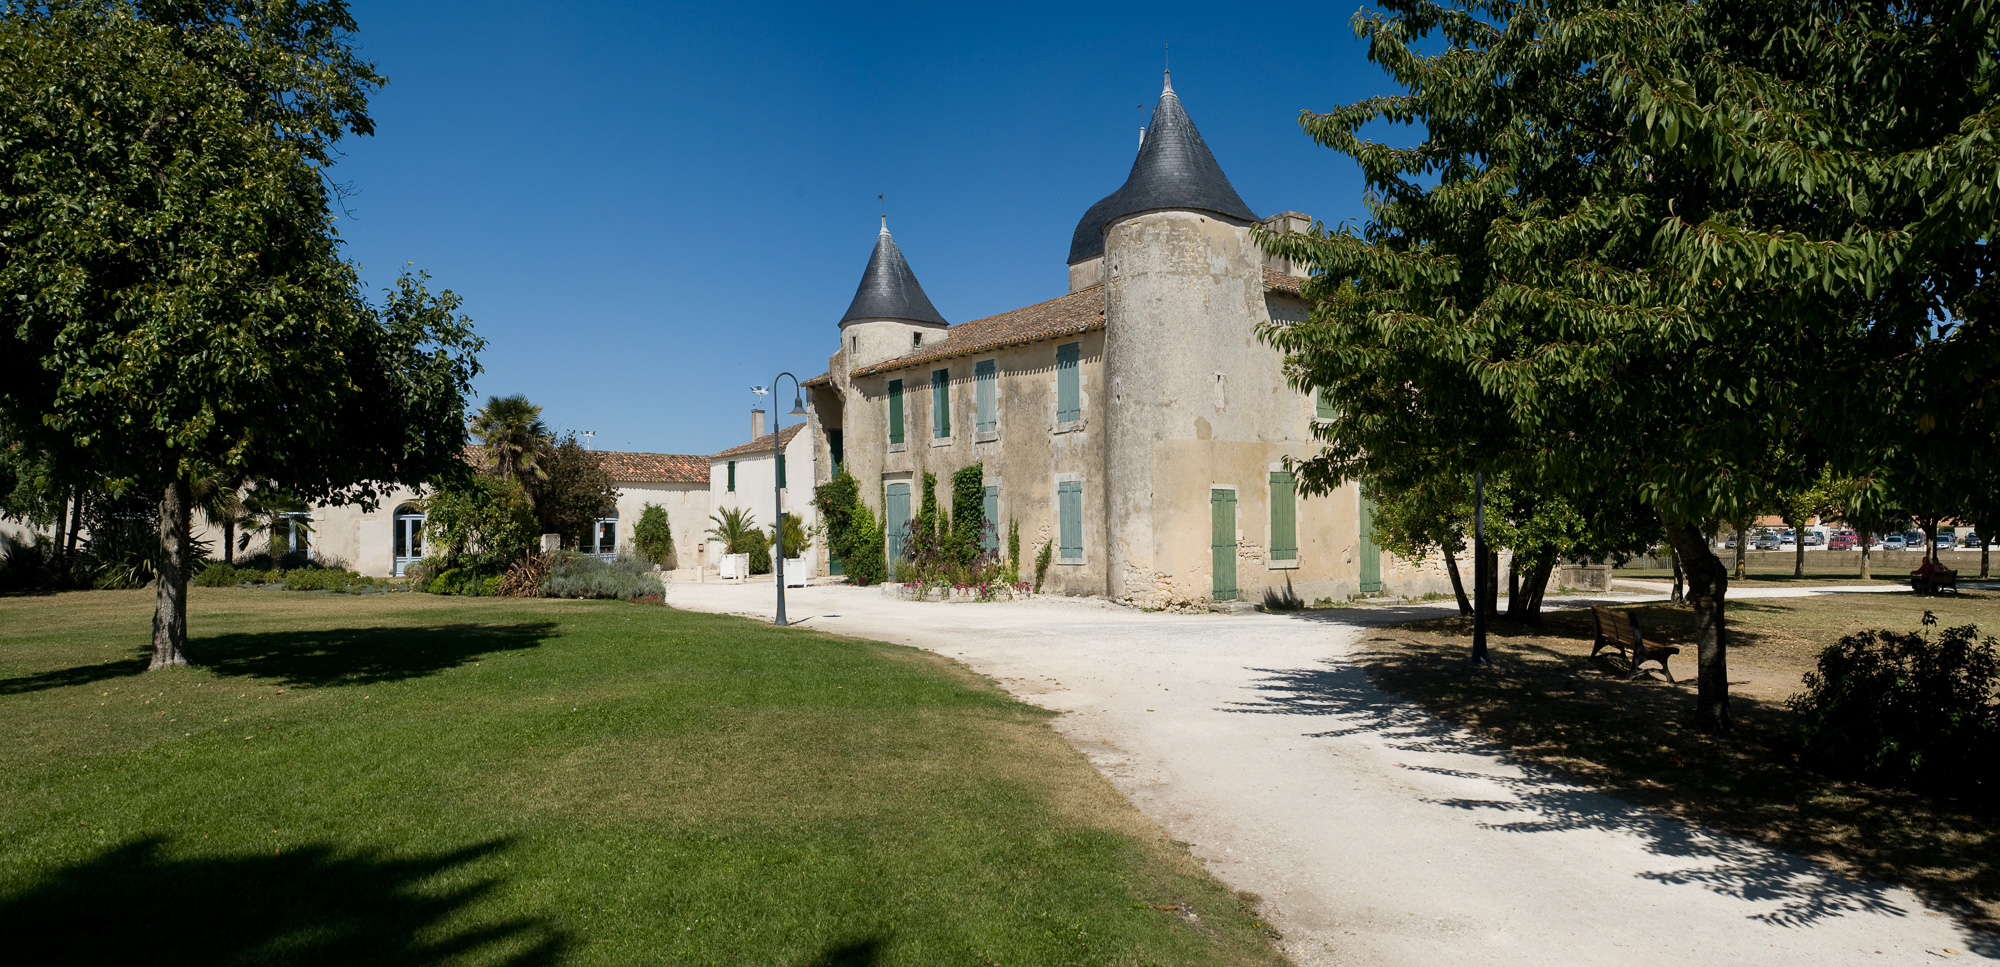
(1841, 541)
(1946, 542)
(1814, 538)
(1766, 541)
(1969, 539)
(1892, 542)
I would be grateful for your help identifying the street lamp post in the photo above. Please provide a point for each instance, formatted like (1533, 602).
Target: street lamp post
(777, 482)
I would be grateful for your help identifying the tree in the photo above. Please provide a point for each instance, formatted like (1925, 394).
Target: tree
(177, 305)
(515, 439)
(572, 490)
(653, 535)
(1639, 241)
(477, 522)
(1798, 506)
(735, 528)
(272, 511)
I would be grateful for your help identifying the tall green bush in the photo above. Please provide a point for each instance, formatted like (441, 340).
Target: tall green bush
(653, 536)
(1904, 709)
(862, 556)
(968, 514)
(1013, 551)
(479, 523)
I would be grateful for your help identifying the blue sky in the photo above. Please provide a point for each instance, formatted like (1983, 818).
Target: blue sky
(648, 208)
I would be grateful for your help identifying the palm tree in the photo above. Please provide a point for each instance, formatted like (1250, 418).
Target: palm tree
(222, 504)
(273, 511)
(734, 528)
(515, 438)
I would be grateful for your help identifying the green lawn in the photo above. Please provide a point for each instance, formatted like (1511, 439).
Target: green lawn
(405, 779)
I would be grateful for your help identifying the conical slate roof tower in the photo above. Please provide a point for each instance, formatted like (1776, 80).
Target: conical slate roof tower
(889, 290)
(1174, 171)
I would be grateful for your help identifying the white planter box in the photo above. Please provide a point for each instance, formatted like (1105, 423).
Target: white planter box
(735, 567)
(795, 572)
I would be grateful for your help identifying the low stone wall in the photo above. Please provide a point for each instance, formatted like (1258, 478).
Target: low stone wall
(955, 595)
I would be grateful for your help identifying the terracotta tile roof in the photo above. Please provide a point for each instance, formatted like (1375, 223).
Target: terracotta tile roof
(758, 446)
(627, 466)
(1273, 279)
(1080, 311)
(822, 379)
(630, 467)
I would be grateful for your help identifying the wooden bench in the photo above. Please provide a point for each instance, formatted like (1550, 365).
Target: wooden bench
(1616, 629)
(1940, 580)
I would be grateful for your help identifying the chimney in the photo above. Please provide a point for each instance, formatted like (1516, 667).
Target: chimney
(756, 423)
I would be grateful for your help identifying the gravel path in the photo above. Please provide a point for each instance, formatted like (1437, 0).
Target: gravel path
(1375, 833)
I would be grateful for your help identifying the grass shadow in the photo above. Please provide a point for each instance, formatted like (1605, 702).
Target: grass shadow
(137, 904)
(1579, 728)
(331, 656)
(864, 952)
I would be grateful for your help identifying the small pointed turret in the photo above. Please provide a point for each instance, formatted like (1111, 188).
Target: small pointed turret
(889, 290)
(1174, 171)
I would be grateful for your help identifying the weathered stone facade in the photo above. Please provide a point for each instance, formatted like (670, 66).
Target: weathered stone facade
(1170, 449)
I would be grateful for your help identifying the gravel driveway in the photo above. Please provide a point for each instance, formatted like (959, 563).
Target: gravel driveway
(1375, 833)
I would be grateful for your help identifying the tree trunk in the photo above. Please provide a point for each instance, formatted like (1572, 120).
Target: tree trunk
(229, 540)
(1742, 538)
(1798, 549)
(1457, 585)
(1708, 583)
(1984, 546)
(1538, 585)
(1489, 596)
(1515, 602)
(1865, 540)
(1680, 578)
(170, 602)
(75, 524)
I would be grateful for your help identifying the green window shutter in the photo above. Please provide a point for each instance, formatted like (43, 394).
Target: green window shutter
(1371, 553)
(1069, 518)
(732, 476)
(986, 380)
(895, 411)
(1322, 406)
(940, 403)
(1069, 394)
(1284, 517)
(781, 470)
(989, 538)
(1222, 542)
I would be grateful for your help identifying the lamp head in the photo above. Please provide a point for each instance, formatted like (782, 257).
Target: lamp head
(798, 406)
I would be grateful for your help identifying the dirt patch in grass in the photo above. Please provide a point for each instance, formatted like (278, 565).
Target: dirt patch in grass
(1551, 703)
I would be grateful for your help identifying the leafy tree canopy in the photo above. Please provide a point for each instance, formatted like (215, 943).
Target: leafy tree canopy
(177, 308)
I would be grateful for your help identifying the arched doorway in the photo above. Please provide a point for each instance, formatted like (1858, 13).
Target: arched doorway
(408, 538)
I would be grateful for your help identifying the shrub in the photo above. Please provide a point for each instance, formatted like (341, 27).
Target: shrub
(469, 582)
(653, 537)
(968, 515)
(323, 579)
(585, 576)
(482, 523)
(1908, 710)
(862, 557)
(1013, 551)
(218, 575)
(1042, 559)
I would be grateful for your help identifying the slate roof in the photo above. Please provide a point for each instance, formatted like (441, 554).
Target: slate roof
(1080, 311)
(1174, 170)
(627, 466)
(759, 446)
(888, 288)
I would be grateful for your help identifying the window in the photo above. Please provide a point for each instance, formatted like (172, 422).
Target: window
(916, 339)
(985, 383)
(1284, 517)
(603, 537)
(940, 403)
(1322, 405)
(1069, 396)
(295, 529)
(781, 471)
(408, 538)
(732, 476)
(1069, 520)
(854, 344)
(835, 448)
(895, 412)
(989, 539)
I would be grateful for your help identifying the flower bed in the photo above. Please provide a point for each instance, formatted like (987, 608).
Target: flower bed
(960, 593)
